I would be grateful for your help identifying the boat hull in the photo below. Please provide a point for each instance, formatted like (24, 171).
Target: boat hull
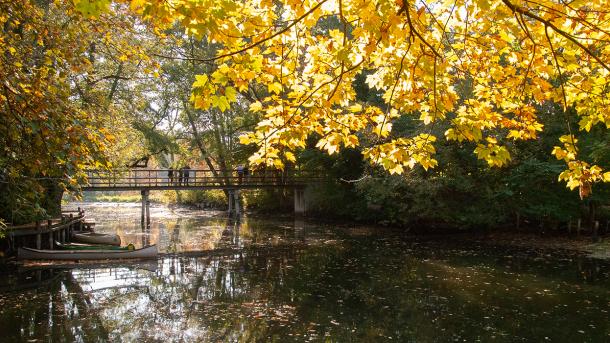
(97, 238)
(36, 254)
(82, 246)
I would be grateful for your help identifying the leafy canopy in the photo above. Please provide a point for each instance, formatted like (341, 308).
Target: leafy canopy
(59, 114)
(516, 55)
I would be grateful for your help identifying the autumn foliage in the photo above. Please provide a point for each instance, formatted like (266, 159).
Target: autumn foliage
(483, 67)
(55, 117)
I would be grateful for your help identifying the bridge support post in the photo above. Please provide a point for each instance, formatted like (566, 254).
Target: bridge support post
(231, 196)
(234, 208)
(145, 208)
(299, 202)
(236, 199)
(143, 193)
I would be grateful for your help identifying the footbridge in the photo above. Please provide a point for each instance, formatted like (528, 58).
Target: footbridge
(146, 180)
(194, 179)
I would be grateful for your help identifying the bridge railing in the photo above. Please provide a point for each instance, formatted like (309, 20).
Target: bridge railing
(193, 178)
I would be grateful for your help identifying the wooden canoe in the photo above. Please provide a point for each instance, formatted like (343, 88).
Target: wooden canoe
(81, 246)
(96, 238)
(36, 254)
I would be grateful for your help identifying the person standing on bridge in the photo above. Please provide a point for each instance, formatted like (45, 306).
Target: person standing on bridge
(246, 173)
(186, 171)
(180, 174)
(170, 176)
(240, 173)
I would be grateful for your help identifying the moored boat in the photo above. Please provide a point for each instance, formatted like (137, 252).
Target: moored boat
(36, 254)
(81, 246)
(97, 238)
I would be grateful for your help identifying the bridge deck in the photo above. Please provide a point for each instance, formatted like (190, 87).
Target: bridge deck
(162, 179)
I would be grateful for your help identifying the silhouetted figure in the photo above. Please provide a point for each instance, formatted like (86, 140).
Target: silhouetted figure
(240, 173)
(170, 176)
(180, 173)
(185, 174)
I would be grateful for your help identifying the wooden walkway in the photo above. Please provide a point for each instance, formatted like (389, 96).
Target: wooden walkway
(43, 234)
(162, 179)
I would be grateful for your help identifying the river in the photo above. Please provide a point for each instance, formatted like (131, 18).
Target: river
(293, 281)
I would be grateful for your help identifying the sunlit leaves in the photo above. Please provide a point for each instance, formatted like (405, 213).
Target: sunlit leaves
(481, 69)
(568, 151)
(579, 174)
(57, 77)
(274, 87)
(403, 153)
(495, 155)
(37, 91)
(92, 8)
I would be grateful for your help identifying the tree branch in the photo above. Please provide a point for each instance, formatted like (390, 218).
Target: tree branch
(547, 23)
(405, 8)
(255, 44)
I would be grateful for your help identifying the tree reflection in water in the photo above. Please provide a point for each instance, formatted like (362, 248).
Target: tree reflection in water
(278, 283)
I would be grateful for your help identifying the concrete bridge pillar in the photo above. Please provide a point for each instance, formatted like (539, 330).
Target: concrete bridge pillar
(234, 208)
(299, 201)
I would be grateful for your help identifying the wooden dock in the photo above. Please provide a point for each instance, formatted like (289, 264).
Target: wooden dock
(43, 234)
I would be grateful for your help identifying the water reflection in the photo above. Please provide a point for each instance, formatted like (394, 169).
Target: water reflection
(181, 230)
(341, 285)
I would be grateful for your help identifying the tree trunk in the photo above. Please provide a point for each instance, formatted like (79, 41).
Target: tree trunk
(204, 152)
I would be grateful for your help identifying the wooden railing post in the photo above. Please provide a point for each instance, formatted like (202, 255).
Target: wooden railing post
(79, 226)
(68, 228)
(38, 235)
(50, 230)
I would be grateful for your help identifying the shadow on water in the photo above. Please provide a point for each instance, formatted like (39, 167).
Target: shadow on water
(296, 282)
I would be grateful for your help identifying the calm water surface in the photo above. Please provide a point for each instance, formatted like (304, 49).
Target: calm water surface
(284, 281)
